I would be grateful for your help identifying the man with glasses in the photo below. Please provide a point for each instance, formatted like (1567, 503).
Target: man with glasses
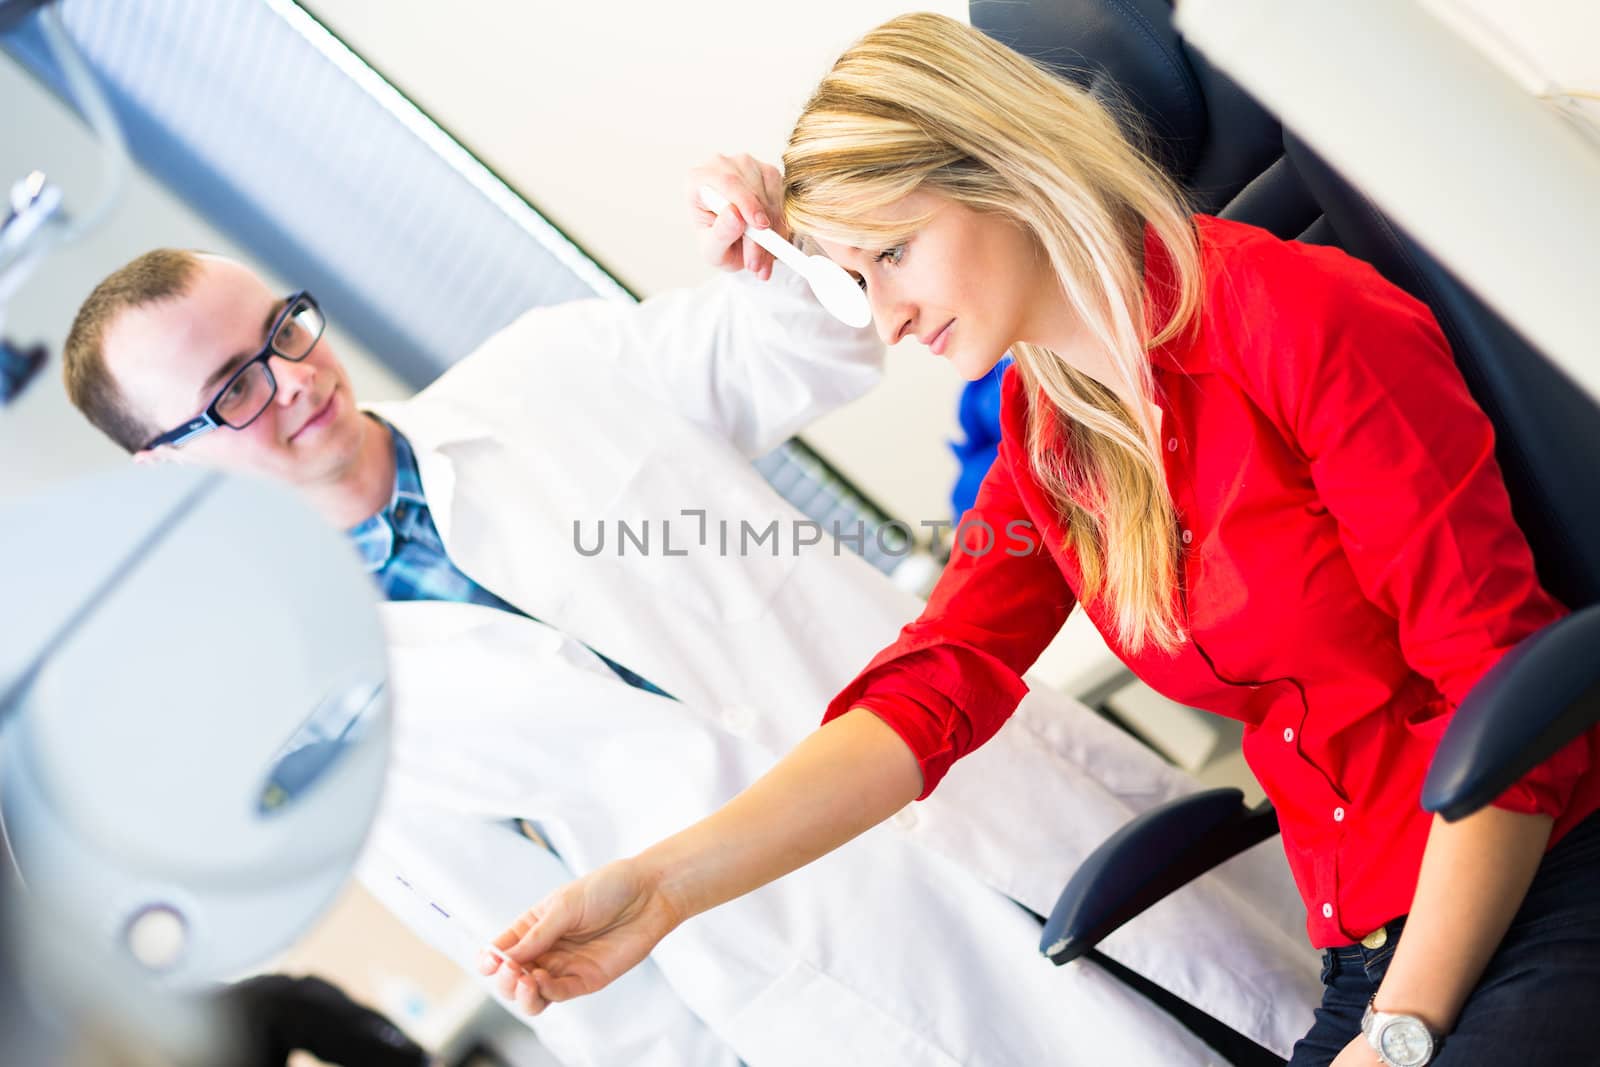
(294, 331)
(605, 700)
(187, 358)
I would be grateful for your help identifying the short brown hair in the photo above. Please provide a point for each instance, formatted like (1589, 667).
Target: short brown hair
(158, 275)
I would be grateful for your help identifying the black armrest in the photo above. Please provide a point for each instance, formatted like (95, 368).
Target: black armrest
(1541, 694)
(1161, 850)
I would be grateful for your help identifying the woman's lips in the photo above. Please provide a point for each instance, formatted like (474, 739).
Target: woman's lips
(937, 344)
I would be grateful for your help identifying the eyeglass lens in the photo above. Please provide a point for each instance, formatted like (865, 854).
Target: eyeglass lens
(298, 333)
(248, 395)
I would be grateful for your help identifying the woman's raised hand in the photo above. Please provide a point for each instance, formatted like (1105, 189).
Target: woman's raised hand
(755, 191)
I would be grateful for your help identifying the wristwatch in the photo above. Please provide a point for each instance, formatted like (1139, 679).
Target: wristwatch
(1399, 1040)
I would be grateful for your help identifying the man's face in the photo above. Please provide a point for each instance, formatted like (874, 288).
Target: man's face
(170, 359)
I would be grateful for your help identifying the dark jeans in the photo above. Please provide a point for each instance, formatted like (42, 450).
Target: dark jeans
(1538, 1001)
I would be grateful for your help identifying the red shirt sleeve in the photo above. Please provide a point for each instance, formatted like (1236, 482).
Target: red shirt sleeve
(955, 674)
(1403, 459)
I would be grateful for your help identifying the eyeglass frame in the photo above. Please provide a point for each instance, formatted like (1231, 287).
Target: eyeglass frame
(210, 419)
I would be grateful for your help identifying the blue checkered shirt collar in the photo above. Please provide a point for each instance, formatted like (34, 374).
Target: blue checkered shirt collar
(375, 537)
(403, 552)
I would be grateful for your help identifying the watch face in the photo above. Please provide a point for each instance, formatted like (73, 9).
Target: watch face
(1405, 1042)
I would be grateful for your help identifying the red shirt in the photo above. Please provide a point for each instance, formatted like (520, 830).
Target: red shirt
(1348, 556)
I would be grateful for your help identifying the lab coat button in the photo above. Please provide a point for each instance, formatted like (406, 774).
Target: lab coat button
(1327, 911)
(1288, 735)
(1172, 444)
(1188, 535)
(1338, 815)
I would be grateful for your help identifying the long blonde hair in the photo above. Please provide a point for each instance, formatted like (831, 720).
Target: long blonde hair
(924, 102)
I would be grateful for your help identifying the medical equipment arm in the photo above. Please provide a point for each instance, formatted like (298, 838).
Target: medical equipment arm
(33, 222)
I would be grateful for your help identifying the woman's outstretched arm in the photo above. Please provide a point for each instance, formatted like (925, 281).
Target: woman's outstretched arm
(848, 776)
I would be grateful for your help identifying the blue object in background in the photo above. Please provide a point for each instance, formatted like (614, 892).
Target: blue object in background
(979, 415)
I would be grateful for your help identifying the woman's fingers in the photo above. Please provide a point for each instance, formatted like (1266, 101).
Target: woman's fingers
(739, 179)
(491, 959)
(757, 260)
(578, 939)
(754, 192)
(513, 933)
(505, 982)
(553, 920)
(554, 989)
(723, 240)
(528, 997)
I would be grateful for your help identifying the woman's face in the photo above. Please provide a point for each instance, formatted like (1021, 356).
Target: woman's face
(967, 284)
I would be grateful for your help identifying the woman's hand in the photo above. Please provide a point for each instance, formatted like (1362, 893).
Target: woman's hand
(581, 937)
(755, 189)
(849, 775)
(1358, 1053)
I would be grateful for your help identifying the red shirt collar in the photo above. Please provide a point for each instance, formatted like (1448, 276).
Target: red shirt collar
(1183, 353)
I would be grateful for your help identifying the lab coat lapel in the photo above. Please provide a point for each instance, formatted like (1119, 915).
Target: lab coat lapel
(431, 428)
(505, 494)
(490, 512)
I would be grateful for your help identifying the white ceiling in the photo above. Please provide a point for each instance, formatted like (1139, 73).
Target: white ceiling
(594, 111)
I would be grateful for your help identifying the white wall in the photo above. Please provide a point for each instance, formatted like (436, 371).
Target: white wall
(42, 438)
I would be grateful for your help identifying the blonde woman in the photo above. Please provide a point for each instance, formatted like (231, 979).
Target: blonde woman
(1256, 468)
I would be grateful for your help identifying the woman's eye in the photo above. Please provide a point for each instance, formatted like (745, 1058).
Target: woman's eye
(891, 255)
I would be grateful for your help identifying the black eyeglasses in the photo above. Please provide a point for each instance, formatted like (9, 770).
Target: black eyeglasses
(248, 390)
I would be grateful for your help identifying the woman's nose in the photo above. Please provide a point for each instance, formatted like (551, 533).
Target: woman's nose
(891, 316)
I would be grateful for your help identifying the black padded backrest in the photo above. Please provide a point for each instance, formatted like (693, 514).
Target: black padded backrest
(1547, 428)
(1207, 132)
(1279, 202)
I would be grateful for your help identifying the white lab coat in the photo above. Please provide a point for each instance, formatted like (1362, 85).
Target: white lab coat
(902, 947)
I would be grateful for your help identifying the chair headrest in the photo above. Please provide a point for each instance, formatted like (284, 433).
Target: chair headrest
(1125, 52)
(1210, 135)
